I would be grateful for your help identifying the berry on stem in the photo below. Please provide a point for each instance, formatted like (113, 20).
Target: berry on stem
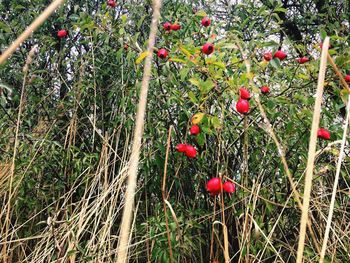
(175, 27)
(321, 46)
(242, 106)
(190, 151)
(112, 3)
(244, 93)
(167, 26)
(206, 21)
(268, 56)
(302, 60)
(181, 147)
(214, 186)
(229, 187)
(347, 78)
(280, 55)
(62, 33)
(162, 53)
(208, 48)
(265, 90)
(195, 130)
(323, 134)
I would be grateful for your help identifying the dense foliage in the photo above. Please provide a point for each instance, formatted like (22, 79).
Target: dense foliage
(79, 104)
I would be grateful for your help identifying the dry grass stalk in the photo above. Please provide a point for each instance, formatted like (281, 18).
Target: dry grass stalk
(312, 151)
(134, 159)
(270, 131)
(339, 163)
(16, 143)
(4, 175)
(164, 195)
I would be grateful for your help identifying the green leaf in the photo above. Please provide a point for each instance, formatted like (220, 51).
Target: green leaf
(275, 63)
(192, 97)
(124, 18)
(219, 64)
(184, 73)
(194, 82)
(178, 60)
(200, 139)
(280, 9)
(215, 122)
(206, 86)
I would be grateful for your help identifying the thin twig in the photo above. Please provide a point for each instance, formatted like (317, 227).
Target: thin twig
(337, 71)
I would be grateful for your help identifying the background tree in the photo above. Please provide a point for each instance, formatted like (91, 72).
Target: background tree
(78, 118)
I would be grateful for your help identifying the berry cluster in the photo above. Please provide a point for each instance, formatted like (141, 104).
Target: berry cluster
(168, 26)
(322, 132)
(207, 48)
(215, 186)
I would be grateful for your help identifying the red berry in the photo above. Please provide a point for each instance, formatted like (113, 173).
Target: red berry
(190, 151)
(111, 3)
(206, 21)
(323, 134)
(208, 48)
(244, 93)
(265, 89)
(195, 130)
(229, 187)
(321, 45)
(62, 33)
(181, 148)
(302, 60)
(175, 27)
(280, 55)
(162, 53)
(242, 106)
(167, 26)
(347, 78)
(214, 186)
(268, 56)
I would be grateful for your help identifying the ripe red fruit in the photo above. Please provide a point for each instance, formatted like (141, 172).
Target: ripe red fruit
(195, 130)
(242, 106)
(229, 187)
(181, 148)
(265, 89)
(208, 48)
(268, 56)
(111, 3)
(175, 27)
(244, 93)
(321, 45)
(280, 55)
(190, 151)
(167, 26)
(347, 78)
(323, 134)
(302, 60)
(214, 186)
(162, 53)
(62, 33)
(206, 21)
